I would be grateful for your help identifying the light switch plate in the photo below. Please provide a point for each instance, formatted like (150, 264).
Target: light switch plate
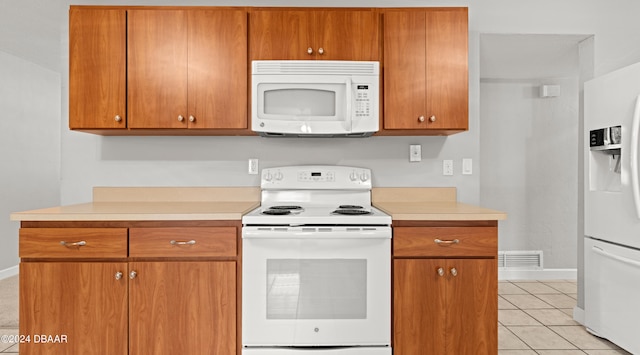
(467, 166)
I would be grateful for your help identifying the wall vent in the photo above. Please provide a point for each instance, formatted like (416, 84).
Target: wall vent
(521, 260)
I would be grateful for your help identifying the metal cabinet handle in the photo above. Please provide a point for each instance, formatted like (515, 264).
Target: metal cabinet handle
(440, 271)
(118, 275)
(309, 50)
(454, 272)
(446, 242)
(180, 118)
(321, 51)
(132, 275)
(175, 242)
(192, 118)
(421, 119)
(432, 119)
(73, 244)
(117, 118)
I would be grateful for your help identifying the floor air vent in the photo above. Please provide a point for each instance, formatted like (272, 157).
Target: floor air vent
(521, 260)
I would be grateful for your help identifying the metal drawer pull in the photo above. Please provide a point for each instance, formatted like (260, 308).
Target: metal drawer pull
(132, 275)
(175, 242)
(439, 241)
(454, 272)
(118, 275)
(440, 271)
(73, 244)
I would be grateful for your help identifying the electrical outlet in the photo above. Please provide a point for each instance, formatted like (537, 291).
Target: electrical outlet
(253, 166)
(447, 167)
(415, 152)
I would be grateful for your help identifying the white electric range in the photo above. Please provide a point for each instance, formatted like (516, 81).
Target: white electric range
(316, 265)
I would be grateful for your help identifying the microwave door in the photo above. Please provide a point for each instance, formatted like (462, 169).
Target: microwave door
(321, 107)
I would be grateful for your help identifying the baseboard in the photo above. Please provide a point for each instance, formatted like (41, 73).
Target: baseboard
(543, 274)
(12, 271)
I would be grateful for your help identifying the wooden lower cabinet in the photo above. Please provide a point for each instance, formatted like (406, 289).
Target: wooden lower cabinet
(446, 304)
(182, 308)
(173, 298)
(73, 308)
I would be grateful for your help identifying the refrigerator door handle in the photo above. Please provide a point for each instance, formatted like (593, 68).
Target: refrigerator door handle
(616, 257)
(633, 156)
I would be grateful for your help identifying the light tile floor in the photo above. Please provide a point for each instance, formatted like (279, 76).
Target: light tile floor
(535, 317)
(8, 314)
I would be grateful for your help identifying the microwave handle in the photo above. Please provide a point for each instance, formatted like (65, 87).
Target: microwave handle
(348, 113)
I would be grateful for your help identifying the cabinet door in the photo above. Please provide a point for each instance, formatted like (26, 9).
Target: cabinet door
(281, 35)
(447, 74)
(97, 69)
(217, 69)
(157, 69)
(405, 70)
(472, 306)
(347, 35)
(82, 305)
(426, 76)
(183, 308)
(419, 307)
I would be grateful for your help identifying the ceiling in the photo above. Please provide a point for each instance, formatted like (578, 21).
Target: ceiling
(529, 56)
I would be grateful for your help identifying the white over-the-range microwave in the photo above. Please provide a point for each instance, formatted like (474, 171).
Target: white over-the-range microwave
(305, 98)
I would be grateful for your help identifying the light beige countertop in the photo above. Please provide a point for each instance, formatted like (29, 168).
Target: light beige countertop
(231, 203)
(153, 204)
(429, 204)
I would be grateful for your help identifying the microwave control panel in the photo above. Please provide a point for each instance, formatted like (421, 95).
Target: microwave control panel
(362, 100)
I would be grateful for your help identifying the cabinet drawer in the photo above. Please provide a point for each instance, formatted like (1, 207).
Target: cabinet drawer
(182, 242)
(73, 243)
(445, 241)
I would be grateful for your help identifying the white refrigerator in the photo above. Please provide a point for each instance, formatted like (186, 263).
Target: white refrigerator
(612, 207)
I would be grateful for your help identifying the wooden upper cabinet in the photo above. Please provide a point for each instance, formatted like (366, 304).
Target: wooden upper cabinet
(97, 69)
(276, 34)
(348, 35)
(187, 69)
(426, 71)
(327, 34)
(217, 87)
(157, 64)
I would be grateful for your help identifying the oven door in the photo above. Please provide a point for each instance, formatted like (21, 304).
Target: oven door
(316, 288)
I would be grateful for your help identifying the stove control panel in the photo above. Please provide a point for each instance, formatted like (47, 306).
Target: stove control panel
(316, 177)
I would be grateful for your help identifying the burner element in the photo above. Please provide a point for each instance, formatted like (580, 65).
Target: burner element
(290, 208)
(351, 207)
(276, 212)
(351, 212)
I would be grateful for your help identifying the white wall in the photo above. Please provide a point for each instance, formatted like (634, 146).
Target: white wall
(530, 165)
(30, 146)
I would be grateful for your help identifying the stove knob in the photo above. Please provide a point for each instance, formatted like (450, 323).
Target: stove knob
(364, 177)
(268, 176)
(353, 176)
(279, 175)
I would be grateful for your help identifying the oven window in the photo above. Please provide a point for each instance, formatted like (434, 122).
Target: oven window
(297, 102)
(316, 289)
